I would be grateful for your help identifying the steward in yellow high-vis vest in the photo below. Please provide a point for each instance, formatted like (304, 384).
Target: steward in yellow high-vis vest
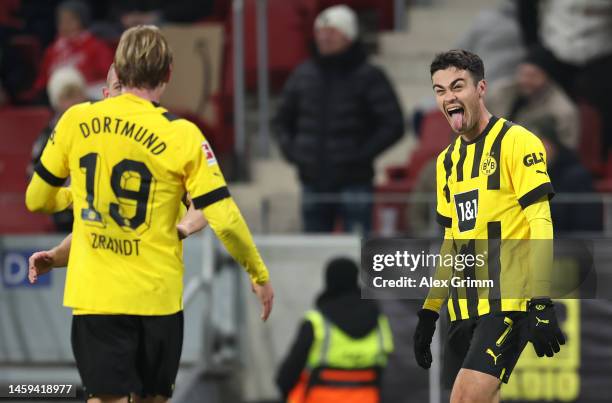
(341, 348)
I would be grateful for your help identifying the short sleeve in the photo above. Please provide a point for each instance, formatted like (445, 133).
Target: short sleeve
(53, 166)
(529, 174)
(203, 178)
(443, 202)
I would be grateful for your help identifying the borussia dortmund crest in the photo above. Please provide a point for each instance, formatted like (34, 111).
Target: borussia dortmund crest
(488, 166)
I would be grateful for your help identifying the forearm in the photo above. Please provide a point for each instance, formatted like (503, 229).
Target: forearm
(193, 220)
(540, 248)
(228, 224)
(438, 295)
(44, 198)
(61, 252)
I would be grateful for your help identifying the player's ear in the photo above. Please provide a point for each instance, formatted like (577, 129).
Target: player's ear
(169, 74)
(481, 87)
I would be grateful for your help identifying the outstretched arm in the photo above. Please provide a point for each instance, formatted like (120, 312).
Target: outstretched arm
(205, 184)
(230, 227)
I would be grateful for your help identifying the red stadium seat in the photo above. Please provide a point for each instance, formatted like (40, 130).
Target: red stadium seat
(13, 177)
(435, 136)
(8, 11)
(19, 127)
(590, 139)
(287, 43)
(16, 219)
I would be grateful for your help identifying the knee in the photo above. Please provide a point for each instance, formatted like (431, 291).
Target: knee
(463, 396)
(464, 393)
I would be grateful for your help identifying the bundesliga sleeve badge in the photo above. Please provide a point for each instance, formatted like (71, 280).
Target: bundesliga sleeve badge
(208, 152)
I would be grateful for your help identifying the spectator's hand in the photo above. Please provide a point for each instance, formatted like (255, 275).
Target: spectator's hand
(40, 263)
(265, 294)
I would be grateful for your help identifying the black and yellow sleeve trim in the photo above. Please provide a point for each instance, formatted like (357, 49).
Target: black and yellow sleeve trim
(536, 194)
(443, 220)
(209, 198)
(48, 176)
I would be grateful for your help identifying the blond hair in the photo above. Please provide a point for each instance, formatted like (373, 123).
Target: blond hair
(64, 82)
(143, 58)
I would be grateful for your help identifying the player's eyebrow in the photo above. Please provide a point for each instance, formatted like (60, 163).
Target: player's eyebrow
(451, 84)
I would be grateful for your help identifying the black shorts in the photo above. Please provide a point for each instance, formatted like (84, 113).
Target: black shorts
(491, 344)
(121, 355)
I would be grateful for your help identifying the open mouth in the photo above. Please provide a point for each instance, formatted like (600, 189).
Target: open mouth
(456, 114)
(454, 110)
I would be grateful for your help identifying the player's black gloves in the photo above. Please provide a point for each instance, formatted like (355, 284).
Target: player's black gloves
(544, 331)
(422, 337)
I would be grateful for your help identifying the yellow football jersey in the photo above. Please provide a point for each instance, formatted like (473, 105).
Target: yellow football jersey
(482, 188)
(130, 162)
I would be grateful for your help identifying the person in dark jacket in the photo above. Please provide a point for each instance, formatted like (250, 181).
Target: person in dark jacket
(568, 176)
(337, 113)
(342, 309)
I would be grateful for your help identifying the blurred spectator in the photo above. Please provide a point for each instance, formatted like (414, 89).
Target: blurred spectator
(569, 176)
(77, 47)
(532, 97)
(578, 34)
(66, 88)
(136, 12)
(124, 14)
(357, 337)
(495, 35)
(337, 114)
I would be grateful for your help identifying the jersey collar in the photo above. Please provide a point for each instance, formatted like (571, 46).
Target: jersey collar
(140, 100)
(484, 133)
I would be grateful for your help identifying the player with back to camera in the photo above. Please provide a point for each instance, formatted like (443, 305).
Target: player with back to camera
(130, 162)
(42, 262)
(491, 185)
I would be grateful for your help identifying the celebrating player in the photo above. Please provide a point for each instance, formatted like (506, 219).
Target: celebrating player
(130, 162)
(492, 185)
(42, 262)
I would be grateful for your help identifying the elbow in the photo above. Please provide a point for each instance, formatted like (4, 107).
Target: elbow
(32, 202)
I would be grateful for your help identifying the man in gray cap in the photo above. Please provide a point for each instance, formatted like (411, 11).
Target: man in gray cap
(337, 114)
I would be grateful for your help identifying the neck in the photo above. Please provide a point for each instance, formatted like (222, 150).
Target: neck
(150, 95)
(483, 121)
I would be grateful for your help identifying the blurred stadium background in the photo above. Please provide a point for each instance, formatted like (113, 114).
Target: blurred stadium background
(230, 86)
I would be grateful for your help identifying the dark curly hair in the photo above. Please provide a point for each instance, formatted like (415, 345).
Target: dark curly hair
(461, 60)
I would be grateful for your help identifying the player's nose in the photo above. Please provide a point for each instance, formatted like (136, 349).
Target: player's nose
(449, 99)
